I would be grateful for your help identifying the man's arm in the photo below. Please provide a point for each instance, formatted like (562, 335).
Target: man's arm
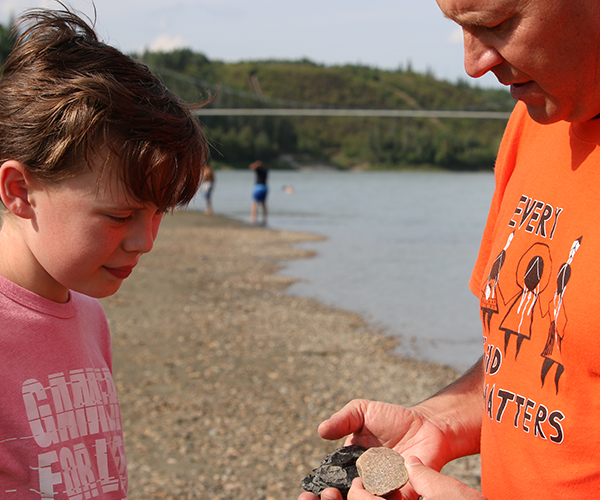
(458, 409)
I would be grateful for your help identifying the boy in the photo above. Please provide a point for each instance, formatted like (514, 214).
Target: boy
(93, 150)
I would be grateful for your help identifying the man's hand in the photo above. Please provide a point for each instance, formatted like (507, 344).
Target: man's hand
(328, 494)
(371, 423)
(438, 430)
(431, 485)
(357, 492)
(407, 430)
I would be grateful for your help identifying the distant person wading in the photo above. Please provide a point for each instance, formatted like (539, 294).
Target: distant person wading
(259, 194)
(207, 187)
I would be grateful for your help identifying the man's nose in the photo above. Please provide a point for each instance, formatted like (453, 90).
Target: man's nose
(479, 56)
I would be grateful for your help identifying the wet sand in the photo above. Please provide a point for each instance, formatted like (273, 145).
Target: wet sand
(223, 377)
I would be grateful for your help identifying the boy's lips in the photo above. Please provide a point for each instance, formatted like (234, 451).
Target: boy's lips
(120, 272)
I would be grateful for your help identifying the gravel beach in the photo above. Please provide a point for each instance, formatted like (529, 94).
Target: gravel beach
(223, 378)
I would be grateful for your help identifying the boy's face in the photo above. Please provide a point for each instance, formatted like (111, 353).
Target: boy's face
(88, 236)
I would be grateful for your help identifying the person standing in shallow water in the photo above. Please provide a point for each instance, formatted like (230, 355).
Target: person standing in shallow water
(260, 192)
(207, 187)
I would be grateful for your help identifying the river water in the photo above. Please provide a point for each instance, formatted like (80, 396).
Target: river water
(399, 248)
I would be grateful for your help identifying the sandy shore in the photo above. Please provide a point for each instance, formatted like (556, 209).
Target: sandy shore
(223, 378)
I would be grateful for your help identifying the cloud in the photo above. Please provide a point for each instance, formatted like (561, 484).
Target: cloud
(456, 37)
(167, 43)
(12, 8)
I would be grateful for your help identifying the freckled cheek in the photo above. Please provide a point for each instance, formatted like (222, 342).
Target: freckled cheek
(112, 243)
(98, 246)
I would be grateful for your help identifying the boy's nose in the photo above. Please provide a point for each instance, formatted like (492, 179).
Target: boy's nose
(479, 57)
(142, 236)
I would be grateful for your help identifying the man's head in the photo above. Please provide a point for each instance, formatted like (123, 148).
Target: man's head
(65, 96)
(548, 51)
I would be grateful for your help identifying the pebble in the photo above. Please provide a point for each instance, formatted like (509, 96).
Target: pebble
(381, 470)
(337, 470)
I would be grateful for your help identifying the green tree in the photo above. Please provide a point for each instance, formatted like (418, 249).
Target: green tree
(345, 142)
(7, 42)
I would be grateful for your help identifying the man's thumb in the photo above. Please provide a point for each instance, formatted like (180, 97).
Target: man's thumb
(431, 485)
(420, 476)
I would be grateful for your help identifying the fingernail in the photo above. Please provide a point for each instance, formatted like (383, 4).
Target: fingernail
(412, 460)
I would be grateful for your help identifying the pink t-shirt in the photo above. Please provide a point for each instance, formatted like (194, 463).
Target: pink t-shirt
(60, 425)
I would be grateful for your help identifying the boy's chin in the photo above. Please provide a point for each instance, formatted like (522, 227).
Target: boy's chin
(101, 292)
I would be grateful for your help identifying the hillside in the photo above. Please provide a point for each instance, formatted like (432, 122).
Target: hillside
(344, 142)
(341, 141)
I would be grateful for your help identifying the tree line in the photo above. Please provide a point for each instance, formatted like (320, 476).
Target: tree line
(344, 142)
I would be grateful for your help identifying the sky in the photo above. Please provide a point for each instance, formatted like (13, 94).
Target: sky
(386, 34)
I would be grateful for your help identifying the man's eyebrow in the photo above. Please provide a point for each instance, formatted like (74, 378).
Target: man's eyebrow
(470, 18)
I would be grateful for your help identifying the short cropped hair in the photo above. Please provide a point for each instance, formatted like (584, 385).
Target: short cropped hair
(65, 95)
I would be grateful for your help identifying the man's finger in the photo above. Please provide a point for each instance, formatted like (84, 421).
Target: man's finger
(432, 485)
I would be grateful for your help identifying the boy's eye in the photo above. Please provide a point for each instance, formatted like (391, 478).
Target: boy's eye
(120, 219)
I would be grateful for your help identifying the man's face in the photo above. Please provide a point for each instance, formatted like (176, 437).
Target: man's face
(546, 50)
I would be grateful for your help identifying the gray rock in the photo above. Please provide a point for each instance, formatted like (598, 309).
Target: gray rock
(336, 471)
(381, 470)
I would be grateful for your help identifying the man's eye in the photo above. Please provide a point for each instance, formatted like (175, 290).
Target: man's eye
(499, 27)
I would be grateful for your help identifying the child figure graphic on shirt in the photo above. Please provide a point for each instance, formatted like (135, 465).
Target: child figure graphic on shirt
(93, 151)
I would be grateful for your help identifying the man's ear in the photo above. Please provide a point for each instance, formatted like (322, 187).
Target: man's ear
(15, 189)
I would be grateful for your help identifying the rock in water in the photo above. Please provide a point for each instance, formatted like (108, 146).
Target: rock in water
(381, 470)
(336, 471)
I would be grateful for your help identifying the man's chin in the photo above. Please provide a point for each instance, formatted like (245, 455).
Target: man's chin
(542, 115)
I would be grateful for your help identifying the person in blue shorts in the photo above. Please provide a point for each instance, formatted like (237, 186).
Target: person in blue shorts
(259, 194)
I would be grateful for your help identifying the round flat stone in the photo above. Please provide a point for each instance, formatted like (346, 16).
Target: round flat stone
(381, 470)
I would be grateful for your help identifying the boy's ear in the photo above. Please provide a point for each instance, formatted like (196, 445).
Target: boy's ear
(15, 188)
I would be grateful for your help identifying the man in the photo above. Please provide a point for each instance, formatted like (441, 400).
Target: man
(536, 276)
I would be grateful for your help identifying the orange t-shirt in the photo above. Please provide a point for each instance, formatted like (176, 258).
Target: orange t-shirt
(538, 280)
